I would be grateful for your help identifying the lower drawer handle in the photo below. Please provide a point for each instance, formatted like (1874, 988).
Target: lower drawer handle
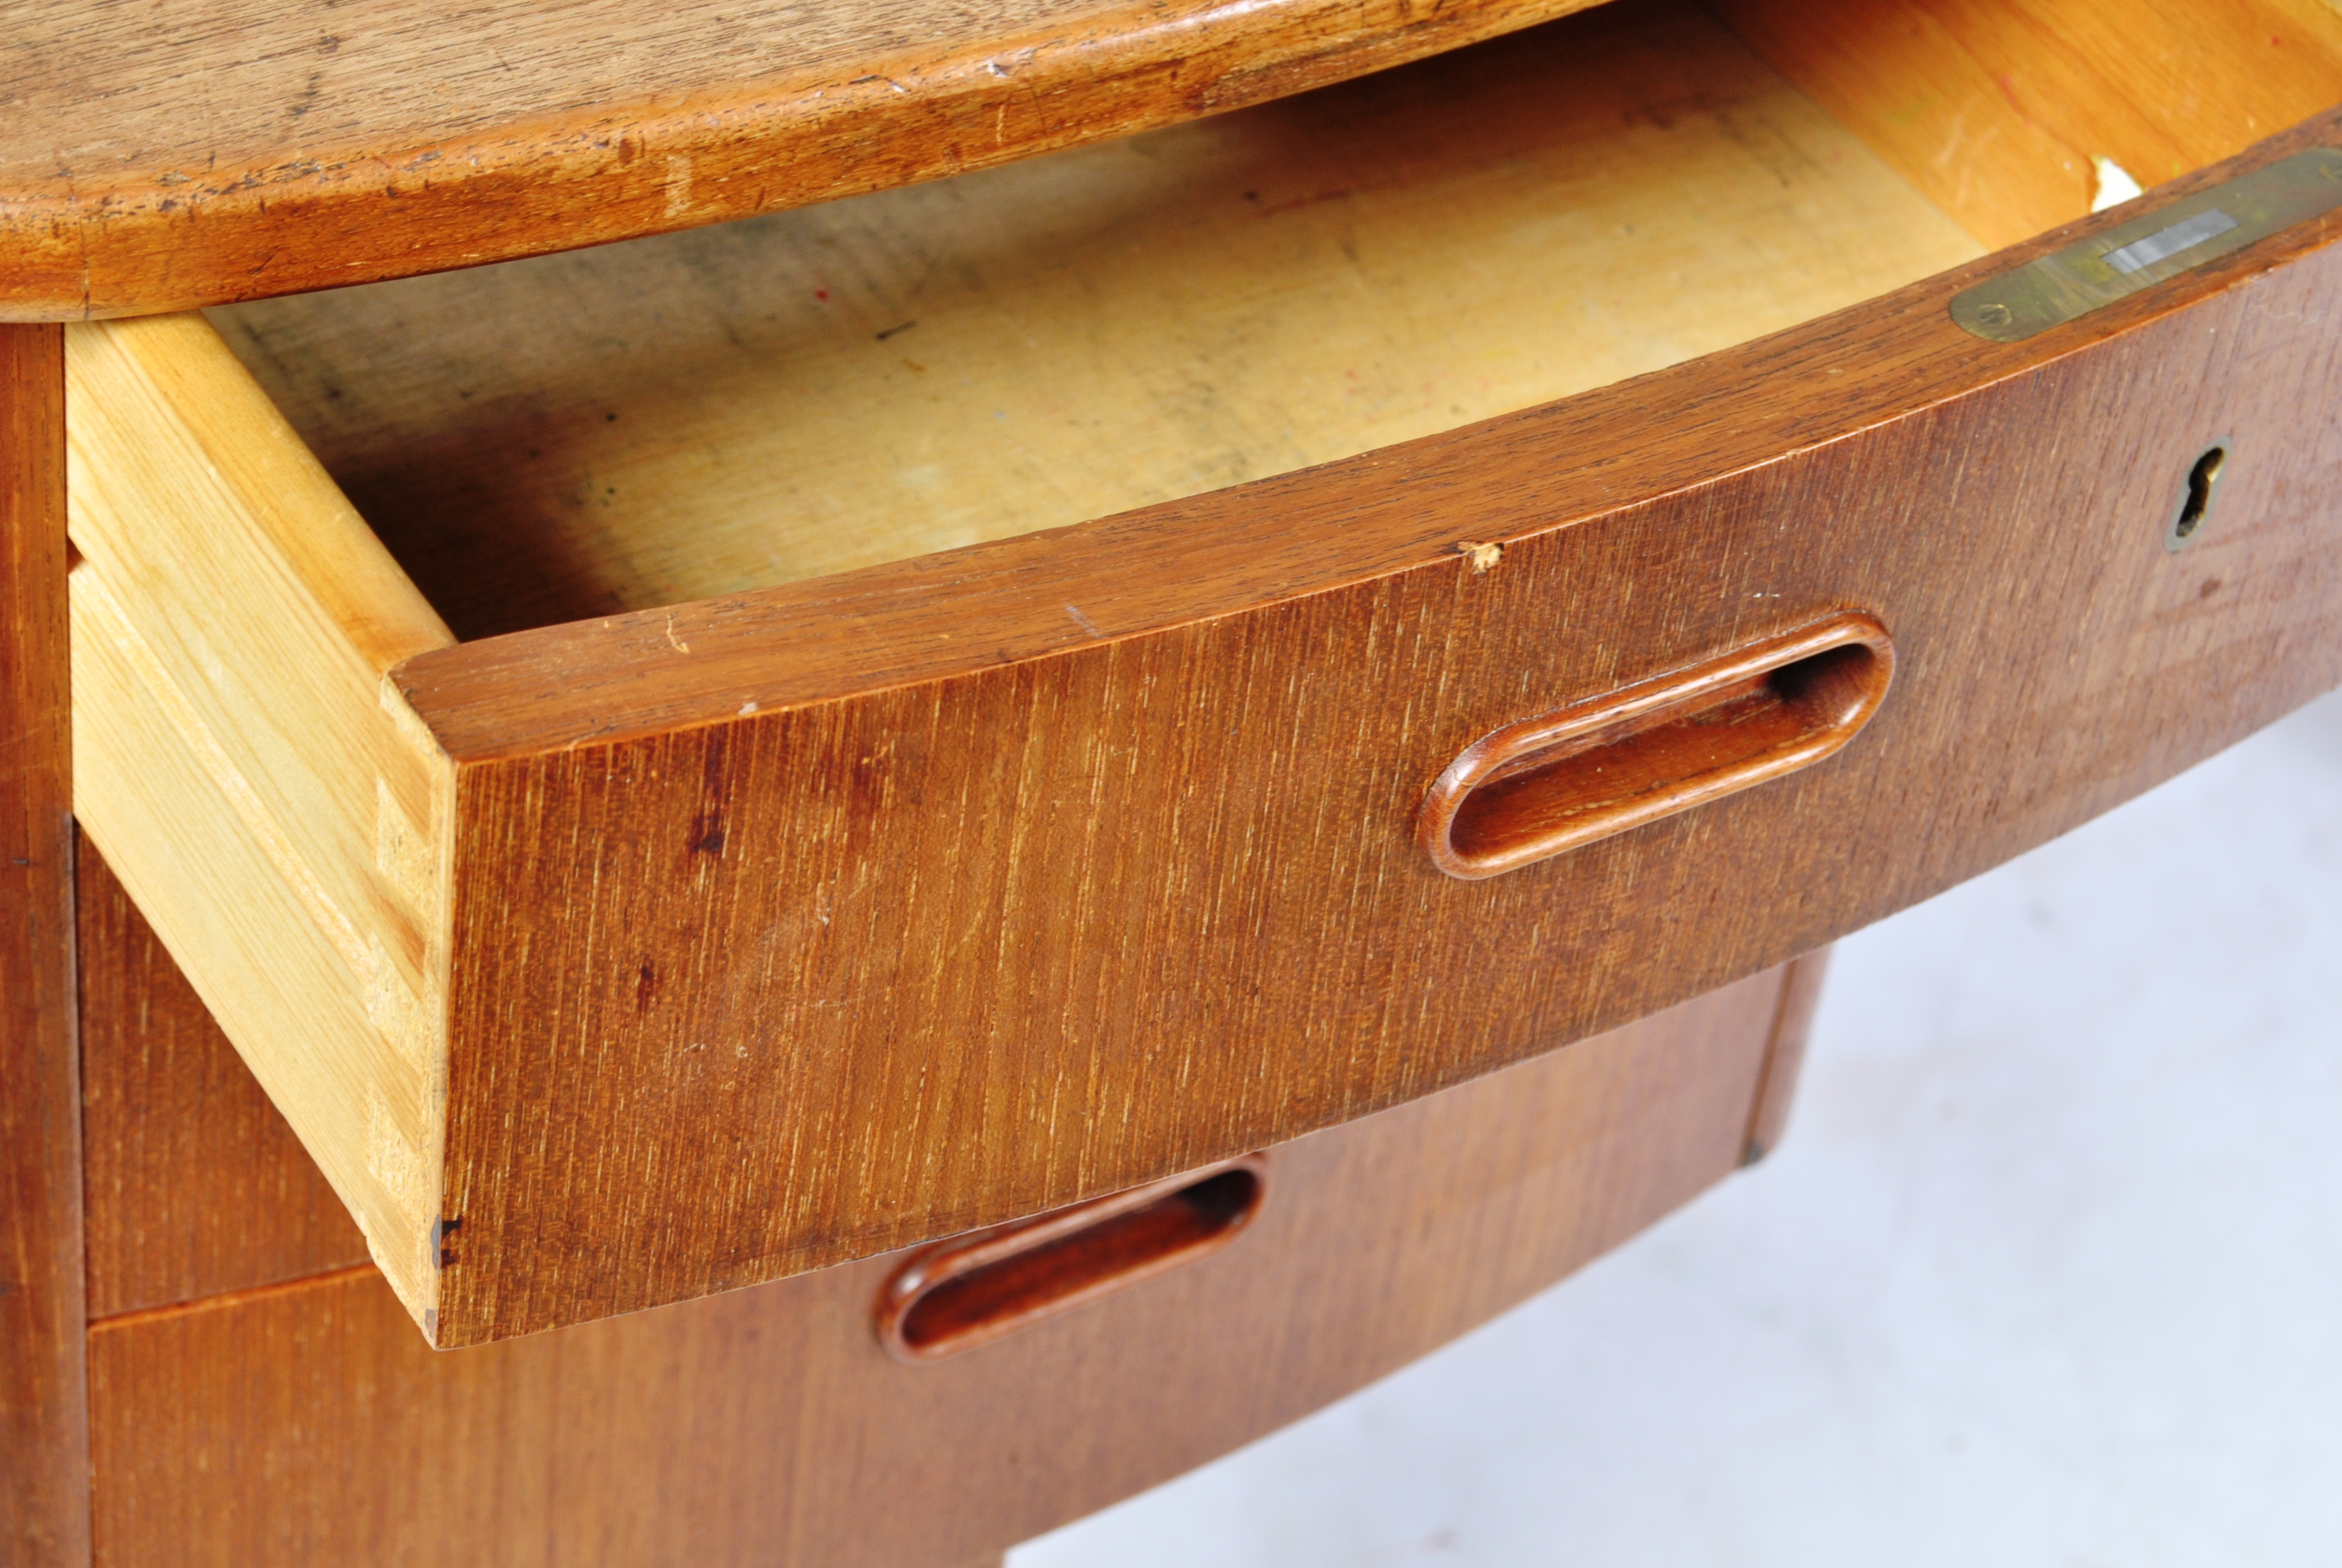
(959, 1294)
(1556, 783)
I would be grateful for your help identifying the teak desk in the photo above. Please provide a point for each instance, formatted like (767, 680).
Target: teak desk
(1275, 565)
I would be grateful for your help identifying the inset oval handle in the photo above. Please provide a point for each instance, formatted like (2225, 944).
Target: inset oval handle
(958, 1293)
(1561, 781)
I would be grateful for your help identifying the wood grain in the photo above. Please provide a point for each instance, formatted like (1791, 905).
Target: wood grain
(805, 924)
(44, 1438)
(1996, 108)
(229, 150)
(279, 818)
(193, 1183)
(308, 1424)
(734, 408)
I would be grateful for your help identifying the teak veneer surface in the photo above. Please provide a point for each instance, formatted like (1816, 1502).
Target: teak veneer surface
(44, 1477)
(308, 1423)
(1081, 907)
(674, 419)
(194, 1184)
(160, 159)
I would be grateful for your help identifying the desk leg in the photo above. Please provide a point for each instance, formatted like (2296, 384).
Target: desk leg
(44, 1416)
(1785, 1054)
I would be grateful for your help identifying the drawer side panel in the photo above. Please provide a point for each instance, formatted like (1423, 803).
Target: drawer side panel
(273, 808)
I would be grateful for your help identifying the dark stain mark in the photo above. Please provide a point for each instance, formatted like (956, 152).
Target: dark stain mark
(646, 987)
(707, 827)
(441, 1229)
(2211, 586)
(898, 326)
(308, 101)
(707, 831)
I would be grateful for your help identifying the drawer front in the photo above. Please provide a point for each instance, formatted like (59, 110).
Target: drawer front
(308, 1423)
(611, 963)
(1137, 887)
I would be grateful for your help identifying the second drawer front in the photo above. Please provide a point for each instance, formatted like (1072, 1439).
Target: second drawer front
(308, 1424)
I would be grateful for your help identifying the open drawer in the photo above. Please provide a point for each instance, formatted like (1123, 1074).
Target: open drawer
(645, 756)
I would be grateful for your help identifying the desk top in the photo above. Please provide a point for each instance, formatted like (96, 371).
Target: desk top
(232, 150)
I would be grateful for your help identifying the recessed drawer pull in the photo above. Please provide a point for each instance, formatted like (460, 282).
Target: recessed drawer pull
(1556, 783)
(956, 1295)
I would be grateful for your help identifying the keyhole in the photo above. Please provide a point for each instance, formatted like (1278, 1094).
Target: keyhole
(2196, 504)
(2200, 480)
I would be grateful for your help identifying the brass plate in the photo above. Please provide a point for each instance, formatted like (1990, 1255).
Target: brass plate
(2144, 251)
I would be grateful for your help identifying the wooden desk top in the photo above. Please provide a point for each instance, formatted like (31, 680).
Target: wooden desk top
(231, 150)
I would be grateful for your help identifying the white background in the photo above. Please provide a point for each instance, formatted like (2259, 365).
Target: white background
(2049, 1270)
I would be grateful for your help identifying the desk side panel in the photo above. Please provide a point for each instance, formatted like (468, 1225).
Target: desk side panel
(194, 1184)
(44, 1439)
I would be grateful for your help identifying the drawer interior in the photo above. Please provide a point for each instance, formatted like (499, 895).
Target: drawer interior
(731, 408)
(724, 409)
(269, 528)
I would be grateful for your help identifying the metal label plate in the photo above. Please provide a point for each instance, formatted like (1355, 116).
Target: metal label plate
(2144, 251)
